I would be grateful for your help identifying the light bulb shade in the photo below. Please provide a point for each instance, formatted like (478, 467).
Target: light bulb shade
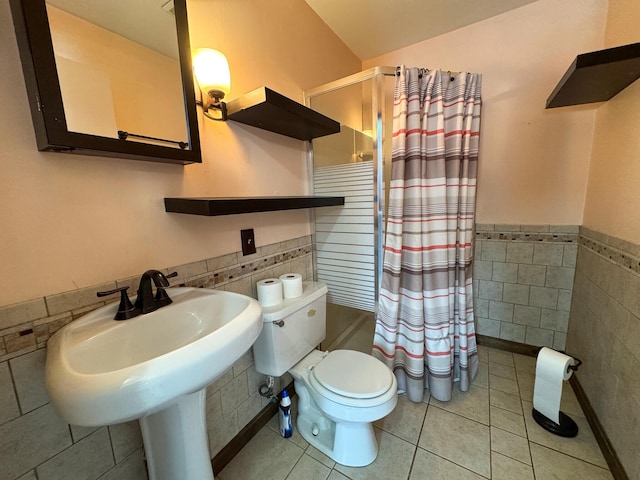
(212, 71)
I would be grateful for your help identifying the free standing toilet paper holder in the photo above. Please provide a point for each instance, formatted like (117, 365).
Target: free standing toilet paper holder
(566, 427)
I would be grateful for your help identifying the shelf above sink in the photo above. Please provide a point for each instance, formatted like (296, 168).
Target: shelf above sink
(263, 108)
(231, 206)
(597, 76)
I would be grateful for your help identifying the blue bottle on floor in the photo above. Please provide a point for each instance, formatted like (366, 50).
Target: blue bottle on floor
(284, 412)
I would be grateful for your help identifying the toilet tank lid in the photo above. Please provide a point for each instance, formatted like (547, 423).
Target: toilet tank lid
(310, 291)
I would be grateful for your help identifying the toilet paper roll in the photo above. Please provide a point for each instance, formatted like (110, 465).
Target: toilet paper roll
(552, 368)
(269, 292)
(291, 285)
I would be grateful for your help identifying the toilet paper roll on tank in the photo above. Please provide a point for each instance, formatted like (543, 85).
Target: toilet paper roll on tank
(291, 285)
(272, 291)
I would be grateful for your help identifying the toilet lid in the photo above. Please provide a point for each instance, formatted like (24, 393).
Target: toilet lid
(353, 374)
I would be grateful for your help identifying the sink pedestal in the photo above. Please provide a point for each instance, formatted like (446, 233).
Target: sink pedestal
(175, 440)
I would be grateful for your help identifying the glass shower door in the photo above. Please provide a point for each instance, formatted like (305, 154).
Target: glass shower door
(348, 240)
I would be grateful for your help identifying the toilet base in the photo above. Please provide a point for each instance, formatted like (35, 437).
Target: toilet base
(349, 444)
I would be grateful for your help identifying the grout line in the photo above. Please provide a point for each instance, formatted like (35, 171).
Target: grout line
(569, 455)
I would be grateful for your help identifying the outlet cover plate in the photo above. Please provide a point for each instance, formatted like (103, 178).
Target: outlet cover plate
(248, 241)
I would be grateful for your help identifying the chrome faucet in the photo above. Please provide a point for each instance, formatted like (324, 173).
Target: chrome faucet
(146, 302)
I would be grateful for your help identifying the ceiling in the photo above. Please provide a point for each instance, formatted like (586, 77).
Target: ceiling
(374, 27)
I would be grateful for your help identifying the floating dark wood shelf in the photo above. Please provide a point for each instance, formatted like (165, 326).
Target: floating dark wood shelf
(597, 76)
(266, 109)
(230, 206)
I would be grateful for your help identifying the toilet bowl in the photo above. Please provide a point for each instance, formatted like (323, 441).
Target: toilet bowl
(340, 393)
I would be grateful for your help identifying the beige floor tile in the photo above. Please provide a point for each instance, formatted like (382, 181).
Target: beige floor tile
(509, 421)
(524, 363)
(505, 401)
(473, 404)
(321, 457)
(458, 439)
(510, 445)
(309, 468)
(505, 468)
(503, 384)
(427, 465)
(453, 438)
(335, 475)
(394, 460)
(584, 446)
(296, 438)
(266, 456)
(360, 338)
(501, 370)
(482, 377)
(483, 353)
(552, 465)
(569, 403)
(525, 385)
(500, 356)
(405, 421)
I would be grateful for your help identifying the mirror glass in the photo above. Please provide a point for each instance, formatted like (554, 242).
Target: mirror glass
(119, 69)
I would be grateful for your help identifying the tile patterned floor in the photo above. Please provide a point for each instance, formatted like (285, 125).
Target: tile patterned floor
(485, 433)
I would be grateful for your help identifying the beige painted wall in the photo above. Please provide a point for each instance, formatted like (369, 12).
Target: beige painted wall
(71, 221)
(613, 194)
(533, 162)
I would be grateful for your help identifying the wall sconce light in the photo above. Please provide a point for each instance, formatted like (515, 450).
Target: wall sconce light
(211, 70)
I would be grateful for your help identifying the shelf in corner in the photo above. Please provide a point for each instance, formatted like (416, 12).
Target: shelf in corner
(212, 207)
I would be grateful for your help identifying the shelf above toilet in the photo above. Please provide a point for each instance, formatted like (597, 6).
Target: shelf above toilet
(231, 206)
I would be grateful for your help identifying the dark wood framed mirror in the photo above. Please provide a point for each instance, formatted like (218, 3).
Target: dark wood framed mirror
(121, 106)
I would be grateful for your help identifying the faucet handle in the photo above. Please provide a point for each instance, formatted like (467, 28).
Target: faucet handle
(126, 310)
(161, 297)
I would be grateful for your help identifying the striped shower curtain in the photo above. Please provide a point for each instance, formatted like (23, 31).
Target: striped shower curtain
(424, 327)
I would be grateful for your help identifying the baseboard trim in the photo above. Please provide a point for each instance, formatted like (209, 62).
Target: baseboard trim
(231, 449)
(609, 453)
(507, 345)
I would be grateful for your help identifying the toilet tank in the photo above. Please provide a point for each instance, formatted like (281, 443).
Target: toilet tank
(279, 348)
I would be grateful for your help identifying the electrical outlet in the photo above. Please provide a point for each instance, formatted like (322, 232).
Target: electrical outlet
(248, 241)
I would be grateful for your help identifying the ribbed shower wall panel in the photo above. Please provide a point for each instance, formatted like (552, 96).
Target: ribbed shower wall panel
(345, 240)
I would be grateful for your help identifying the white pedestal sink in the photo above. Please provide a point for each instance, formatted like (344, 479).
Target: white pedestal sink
(155, 368)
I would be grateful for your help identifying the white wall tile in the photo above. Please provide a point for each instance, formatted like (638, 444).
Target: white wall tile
(8, 401)
(87, 459)
(31, 439)
(234, 393)
(125, 438)
(28, 375)
(548, 254)
(131, 468)
(520, 252)
(543, 297)
(494, 251)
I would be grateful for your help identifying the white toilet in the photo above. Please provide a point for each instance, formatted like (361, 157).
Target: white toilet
(340, 393)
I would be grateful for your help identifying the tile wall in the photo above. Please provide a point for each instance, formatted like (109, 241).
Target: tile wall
(523, 278)
(604, 331)
(36, 443)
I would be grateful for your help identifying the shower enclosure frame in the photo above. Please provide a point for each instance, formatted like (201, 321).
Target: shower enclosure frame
(377, 75)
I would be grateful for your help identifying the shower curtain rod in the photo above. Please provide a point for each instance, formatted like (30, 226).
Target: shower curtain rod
(449, 72)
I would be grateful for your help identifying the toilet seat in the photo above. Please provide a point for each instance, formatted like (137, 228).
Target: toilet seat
(353, 374)
(331, 381)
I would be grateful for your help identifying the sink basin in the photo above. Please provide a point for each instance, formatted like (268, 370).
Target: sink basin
(154, 368)
(100, 371)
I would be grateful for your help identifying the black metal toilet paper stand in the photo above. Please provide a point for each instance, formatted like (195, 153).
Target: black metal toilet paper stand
(567, 426)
